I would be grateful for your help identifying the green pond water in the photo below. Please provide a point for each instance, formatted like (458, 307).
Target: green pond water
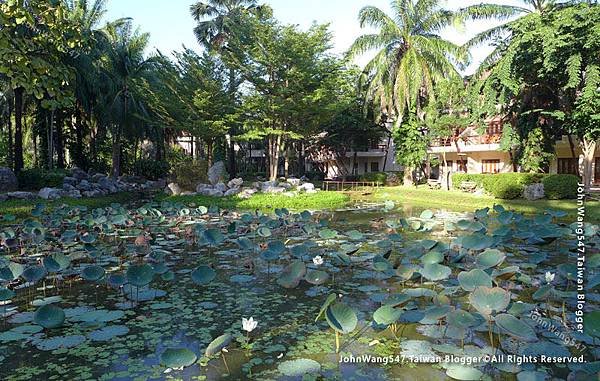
(407, 283)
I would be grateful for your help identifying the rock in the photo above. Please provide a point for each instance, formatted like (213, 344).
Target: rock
(79, 174)
(217, 173)
(290, 194)
(73, 193)
(3, 197)
(49, 193)
(91, 193)
(22, 195)
(293, 181)
(273, 189)
(235, 183)
(84, 185)
(304, 178)
(534, 191)
(307, 187)
(232, 191)
(221, 187)
(201, 187)
(287, 186)
(214, 193)
(173, 189)
(97, 177)
(69, 180)
(187, 193)
(247, 192)
(68, 187)
(8, 180)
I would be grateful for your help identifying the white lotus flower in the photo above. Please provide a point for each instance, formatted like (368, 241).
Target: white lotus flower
(318, 260)
(549, 277)
(249, 324)
(280, 355)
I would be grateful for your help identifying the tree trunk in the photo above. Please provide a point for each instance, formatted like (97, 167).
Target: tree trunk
(274, 143)
(10, 135)
(588, 147)
(116, 153)
(408, 176)
(60, 147)
(232, 130)
(18, 150)
(50, 134)
(209, 153)
(301, 160)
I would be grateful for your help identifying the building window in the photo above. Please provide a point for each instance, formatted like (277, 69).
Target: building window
(374, 166)
(461, 166)
(366, 167)
(568, 166)
(490, 166)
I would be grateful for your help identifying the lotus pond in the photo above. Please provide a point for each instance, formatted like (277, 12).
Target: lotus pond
(173, 291)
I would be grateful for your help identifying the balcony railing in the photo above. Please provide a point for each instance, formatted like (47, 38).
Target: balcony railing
(470, 140)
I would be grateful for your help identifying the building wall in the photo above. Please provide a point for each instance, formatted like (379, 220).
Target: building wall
(475, 161)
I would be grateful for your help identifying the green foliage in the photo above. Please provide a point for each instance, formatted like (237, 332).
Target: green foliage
(558, 187)
(151, 168)
(458, 178)
(500, 185)
(262, 201)
(191, 173)
(411, 144)
(37, 178)
(378, 177)
(537, 152)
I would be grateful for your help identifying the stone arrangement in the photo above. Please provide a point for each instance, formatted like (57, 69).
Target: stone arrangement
(79, 184)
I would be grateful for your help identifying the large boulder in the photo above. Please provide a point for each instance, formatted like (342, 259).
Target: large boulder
(22, 195)
(235, 183)
(217, 173)
(273, 189)
(534, 191)
(8, 180)
(200, 188)
(221, 187)
(233, 191)
(49, 193)
(247, 192)
(307, 187)
(173, 189)
(293, 181)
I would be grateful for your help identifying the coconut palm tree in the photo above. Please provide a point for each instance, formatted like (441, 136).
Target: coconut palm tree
(217, 21)
(411, 56)
(124, 109)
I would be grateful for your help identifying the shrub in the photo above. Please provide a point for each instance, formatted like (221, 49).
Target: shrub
(151, 169)
(458, 178)
(378, 177)
(315, 175)
(191, 173)
(37, 178)
(558, 187)
(509, 185)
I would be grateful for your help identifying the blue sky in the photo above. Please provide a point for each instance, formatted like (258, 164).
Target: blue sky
(170, 24)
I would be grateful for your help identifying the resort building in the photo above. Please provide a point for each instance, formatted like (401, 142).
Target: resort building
(470, 151)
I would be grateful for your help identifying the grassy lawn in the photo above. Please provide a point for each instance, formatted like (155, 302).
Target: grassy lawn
(21, 208)
(320, 200)
(461, 201)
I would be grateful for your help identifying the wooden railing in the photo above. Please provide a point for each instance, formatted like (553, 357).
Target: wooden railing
(330, 185)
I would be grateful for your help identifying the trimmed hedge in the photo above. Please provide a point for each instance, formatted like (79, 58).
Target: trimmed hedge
(378, 177)
(500, 185)
(557, 187)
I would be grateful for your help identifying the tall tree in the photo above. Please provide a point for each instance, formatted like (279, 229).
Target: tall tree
(35, 35)
(126, 66)
(217, 22)
(410, 58)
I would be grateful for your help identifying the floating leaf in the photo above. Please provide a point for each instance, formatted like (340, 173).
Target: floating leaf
(177, 357)
(299, 367)
(469, 280)
(49, 316)
(203, 275)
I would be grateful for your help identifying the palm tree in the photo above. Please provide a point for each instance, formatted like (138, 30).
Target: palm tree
(217, 21)
(411, 55)
(88, 74)
(126, 66)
